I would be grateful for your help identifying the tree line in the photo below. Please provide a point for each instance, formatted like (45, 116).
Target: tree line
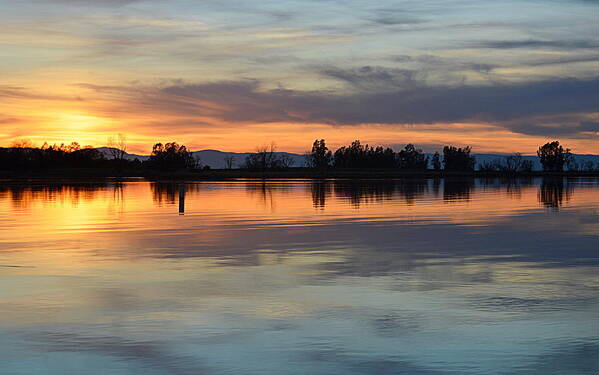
(553, 157)
(23, 155)
(410, 158)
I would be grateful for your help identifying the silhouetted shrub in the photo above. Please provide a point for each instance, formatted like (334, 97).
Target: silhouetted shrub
(436, 161)
(458, 159)
(412, 158)
(50, 157)
(553, 156)
(266, 157)
(170, 156)
(320, 157)
(357, 155)
(514, 163)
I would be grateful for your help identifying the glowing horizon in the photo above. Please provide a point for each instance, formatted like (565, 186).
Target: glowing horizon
(213, 77)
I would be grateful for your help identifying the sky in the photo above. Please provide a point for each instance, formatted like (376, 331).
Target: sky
(500, 76)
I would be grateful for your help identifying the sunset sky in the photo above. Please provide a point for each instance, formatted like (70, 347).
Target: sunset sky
(501, 76)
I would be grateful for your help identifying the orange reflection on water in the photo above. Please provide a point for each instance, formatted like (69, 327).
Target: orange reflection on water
(67, 216)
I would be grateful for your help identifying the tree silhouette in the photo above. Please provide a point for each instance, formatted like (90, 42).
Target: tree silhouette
(458, 159)
(170, 156)
(357, 155)
(589, 166)
(262, 158)
(353, 156)
(266, 157)
(26, 157)
(229, 161)
(117, 146)
(553, 156)
(412, 158)
(320, 156)
(436, 161)
(572, 164)
(23, 143)
(285, 161)
(514, 163)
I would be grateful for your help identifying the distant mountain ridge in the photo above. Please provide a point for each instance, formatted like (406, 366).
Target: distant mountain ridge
(106, 151)
(213, 158)
(216, 159)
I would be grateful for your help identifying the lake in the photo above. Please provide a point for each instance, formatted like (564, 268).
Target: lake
(414, 276)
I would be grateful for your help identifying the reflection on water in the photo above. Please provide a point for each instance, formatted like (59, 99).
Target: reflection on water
(415, 276)
(554, 191)
(23, 195)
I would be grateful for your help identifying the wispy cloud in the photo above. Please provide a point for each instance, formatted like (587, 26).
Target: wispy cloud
(94, 3)
(369, 78)
(149, 353)
(535, 43)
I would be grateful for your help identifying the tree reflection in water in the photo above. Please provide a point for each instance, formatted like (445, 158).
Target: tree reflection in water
(554, 192)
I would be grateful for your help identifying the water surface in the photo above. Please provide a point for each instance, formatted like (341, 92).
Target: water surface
(300, 277)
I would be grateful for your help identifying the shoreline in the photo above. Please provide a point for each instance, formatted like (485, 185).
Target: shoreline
(302, 173)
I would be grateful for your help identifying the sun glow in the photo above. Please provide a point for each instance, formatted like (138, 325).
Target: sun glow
(75, 126)
(77, 121)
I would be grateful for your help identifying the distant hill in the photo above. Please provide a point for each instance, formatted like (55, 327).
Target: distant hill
(482, 158)
(216, 159)
(213, 158)
(106, 151)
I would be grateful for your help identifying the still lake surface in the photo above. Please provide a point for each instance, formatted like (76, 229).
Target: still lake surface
(299, 277)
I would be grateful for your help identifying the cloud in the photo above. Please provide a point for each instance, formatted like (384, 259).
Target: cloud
(16, 92)
(481, 68)
(527, 107)
(535, 43)
(422, 59)
(393, 17)
(11, 92)
(94, 3)
(150, 353)
(377, 78)
(566, 60)
(8, 120)
(565, 357)
(442, 66)
(589, 126)
(500, 103)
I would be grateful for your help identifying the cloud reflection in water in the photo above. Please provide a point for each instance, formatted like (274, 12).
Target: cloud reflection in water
(409, 276)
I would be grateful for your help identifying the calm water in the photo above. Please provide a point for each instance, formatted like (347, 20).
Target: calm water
(299, 277)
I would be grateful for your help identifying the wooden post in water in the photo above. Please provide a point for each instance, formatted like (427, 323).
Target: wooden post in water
(181, 199)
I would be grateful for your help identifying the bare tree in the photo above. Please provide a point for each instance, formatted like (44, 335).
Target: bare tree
(286, 161)
(589, 166)
(516, 163)
(229, 161)
(117, 146)
(23, 143)
(572, 164)
(198, 164)
(263, 158)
